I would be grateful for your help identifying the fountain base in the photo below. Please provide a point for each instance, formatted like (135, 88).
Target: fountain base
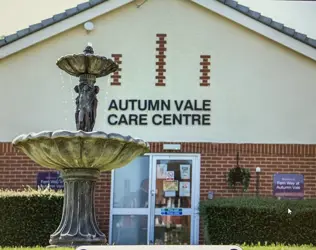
(78, 224)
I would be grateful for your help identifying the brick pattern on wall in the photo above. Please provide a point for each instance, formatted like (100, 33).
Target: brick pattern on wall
(17, 170)
(116, 76)
(217, 159)
(160, 59)
(205, 70)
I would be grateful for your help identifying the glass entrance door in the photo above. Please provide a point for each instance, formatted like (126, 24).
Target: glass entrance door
(155, 201)
(175, 197)
(130, 211)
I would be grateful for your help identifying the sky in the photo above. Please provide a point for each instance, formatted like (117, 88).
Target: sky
(19, 14)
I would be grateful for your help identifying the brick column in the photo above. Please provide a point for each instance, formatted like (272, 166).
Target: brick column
(205, 70)
(161, 56)
(117, 58)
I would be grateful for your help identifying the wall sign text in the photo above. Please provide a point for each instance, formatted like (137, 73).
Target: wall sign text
(288, 186)
(51, 179)
(135, 112)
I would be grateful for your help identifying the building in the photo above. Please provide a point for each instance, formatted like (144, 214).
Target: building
(209, 80)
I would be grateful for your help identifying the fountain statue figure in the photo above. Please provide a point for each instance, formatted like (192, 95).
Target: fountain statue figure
(86, 103)
(83, 154)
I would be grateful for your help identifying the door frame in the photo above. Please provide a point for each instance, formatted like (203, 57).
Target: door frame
(150, 211)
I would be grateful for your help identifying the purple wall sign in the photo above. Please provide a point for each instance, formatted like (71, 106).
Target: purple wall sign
(288, 186)
(53, 179)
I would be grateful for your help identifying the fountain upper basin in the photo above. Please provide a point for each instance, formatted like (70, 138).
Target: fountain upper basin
(78, 149)
(79, 64)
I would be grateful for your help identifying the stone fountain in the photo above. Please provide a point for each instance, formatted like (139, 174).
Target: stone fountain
(81, 155)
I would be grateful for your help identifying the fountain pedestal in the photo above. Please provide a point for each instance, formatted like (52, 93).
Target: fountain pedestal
(78, 225)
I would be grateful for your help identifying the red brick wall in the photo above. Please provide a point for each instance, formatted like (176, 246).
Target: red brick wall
(17, 170)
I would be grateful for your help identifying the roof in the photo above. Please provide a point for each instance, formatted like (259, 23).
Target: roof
(270, 22)
(50, 21)
(303, 38)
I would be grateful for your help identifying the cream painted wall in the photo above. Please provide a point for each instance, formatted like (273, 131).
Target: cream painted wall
(261, 92)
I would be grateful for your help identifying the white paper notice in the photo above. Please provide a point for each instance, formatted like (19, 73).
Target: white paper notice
(161, 171)
(185, 190)
(185, 172)
(170, 175)
(170, 193)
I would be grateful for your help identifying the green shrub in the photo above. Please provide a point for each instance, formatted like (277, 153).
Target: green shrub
(28, 217)
(253, 220)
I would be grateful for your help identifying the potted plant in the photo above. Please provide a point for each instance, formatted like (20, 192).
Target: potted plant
(238, 175)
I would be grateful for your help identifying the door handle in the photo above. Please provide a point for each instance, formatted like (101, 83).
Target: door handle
(152, 192)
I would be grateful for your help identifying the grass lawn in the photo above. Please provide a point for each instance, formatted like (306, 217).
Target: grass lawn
(277, 247)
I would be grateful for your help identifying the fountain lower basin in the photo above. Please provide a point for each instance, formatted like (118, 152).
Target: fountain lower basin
(81, 157)
(78, 149)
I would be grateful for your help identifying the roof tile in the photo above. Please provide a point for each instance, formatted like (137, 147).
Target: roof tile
(47, 22)
(2, 42)
(265, 20)
(311, 42)
(231, 3)
(83, 6)
(242, 8)
(23, 32)
(72, 11)
(300, 36)
(11, 38)
(277, 25)
(254, 14)
(59, 17)
(35, 27)
(288, 31)
(94, 2)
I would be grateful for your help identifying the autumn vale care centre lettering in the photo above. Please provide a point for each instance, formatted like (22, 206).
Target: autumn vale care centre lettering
(159, 112)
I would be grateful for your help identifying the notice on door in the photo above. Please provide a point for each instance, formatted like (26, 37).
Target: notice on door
(162, 171)
(170, 175)
(170, 193)
(171, 211)
(170, 185)
(185, 190)
(185, 172)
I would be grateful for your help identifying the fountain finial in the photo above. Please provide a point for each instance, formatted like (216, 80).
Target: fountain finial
(88, 50)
